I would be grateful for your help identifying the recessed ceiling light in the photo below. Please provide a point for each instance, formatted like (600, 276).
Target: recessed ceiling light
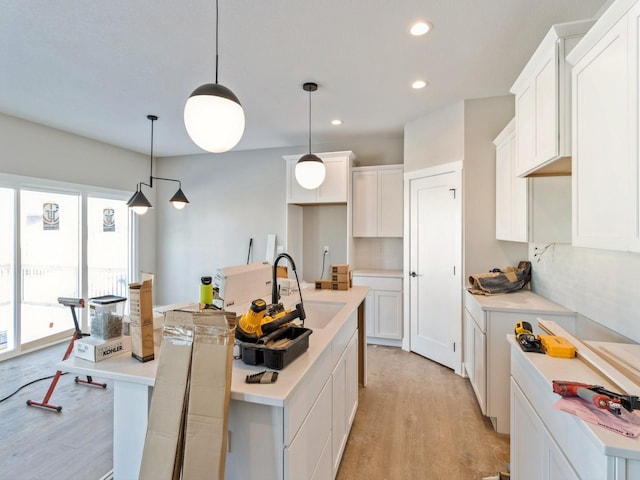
(418, 84)
(420, 28)
(337, 121)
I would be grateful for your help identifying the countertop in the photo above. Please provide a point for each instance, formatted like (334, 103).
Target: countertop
(125, 368)
(573, 369)
(517, 302)
(377, 273)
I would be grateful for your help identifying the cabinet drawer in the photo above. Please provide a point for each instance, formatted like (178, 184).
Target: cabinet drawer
(378, 283)
(475, 310)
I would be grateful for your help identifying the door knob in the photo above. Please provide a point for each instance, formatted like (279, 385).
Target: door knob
(414, 274)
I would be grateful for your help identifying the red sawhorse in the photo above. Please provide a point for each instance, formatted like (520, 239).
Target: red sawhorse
(72, 303)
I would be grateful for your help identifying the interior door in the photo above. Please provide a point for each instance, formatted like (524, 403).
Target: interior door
(435, 257)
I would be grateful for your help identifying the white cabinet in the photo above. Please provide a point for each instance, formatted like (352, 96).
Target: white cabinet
(344, 403)
(534, 453)
(383, 307)
(377, 194)
(547, 443)
(488, 320)
(511, 190)
(543, 103)
(605, 136)
(334, 189)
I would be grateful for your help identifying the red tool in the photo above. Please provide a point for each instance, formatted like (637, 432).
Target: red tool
(599, 396)
(71, 303)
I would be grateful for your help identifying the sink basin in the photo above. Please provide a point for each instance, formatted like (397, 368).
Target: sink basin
(320, 314)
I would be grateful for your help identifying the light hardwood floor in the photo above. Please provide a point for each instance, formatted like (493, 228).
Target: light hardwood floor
(416, 420)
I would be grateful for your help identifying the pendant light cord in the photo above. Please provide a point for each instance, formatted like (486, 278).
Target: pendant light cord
(309, 121)
(216, 41)
(151, 154)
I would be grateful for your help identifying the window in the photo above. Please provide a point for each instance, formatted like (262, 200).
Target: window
(73, 243)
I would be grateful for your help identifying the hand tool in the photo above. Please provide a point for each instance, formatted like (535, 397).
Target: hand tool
(526, 339)
(599, 396)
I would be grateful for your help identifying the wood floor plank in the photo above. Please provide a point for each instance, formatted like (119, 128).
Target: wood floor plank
(416, 420)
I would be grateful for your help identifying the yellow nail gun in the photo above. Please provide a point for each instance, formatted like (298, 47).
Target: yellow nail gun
(259, 320)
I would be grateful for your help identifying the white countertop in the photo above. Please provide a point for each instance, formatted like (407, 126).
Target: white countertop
(517, 302)
(127, 369)
(377, 273)
(573, 369)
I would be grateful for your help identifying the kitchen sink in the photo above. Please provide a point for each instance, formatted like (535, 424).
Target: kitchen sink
(320, 314)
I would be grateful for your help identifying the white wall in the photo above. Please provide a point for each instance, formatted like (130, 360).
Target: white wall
(484, 119)
(599, 284)
(465, 131)
(235, 196)
(33, 150)
(435, 138)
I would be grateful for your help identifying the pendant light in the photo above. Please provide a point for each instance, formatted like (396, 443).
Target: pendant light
(310, 170)
(213, 115)
(139, 203)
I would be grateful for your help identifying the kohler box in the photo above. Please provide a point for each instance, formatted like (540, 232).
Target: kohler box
(242, 284)
(93, 349)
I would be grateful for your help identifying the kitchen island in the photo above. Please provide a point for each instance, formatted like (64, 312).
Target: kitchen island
(295, 428)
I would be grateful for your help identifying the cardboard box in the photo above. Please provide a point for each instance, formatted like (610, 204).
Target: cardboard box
(242, 284)
(339, 268)
(205, 439)
(323, 284)
(141, 318)
(95, 349)
(340, 277)
(339, 285)
(162, 445)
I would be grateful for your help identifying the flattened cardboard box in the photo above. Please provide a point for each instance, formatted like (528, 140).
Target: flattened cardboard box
(141, 317)
(209, 396)
(162, 451)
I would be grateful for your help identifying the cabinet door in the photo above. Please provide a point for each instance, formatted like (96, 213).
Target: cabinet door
(334, 188)
(526, 438)
(546, 101)
(525, 130)
(370, 313)
(390, 203)
(503, 191)
(365, 198)
(479, 383)
(601, 160)
(388, 315)
(351, 366)
(339, 412)
(468, 345)
(557, 467)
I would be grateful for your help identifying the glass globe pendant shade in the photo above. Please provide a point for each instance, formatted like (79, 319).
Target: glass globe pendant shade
(214, 118)
(310, 171)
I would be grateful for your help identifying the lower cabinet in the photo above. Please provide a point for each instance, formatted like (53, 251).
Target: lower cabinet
(383, 308)
(487, 321)
(534, 453)
(305, 438)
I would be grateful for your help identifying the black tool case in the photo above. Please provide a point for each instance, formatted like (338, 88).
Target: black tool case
(273, 356)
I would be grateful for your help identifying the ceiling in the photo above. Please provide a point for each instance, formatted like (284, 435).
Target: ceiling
(96, 68)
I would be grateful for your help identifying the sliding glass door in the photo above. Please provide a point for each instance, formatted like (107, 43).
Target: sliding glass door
(7, 269)
(50, 262)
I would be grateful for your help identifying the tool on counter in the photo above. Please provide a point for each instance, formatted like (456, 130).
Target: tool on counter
(262, 377)
(597, 395)
(261, 319)
(72, 303)
(526, 339)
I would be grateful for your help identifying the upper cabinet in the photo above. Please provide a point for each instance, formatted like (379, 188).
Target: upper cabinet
(605, 137)
(334, 189)
(511, 191)
(543, 104)
(377, 201)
